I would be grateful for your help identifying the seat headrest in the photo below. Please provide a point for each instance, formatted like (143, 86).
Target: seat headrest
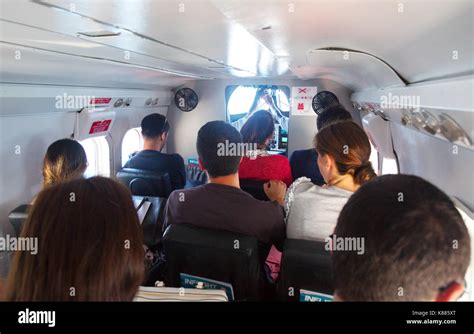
(152, 223)
(207, 238)
(254, 188)
(145, 182)
(18, 216)
(214, 255)
(305, 265)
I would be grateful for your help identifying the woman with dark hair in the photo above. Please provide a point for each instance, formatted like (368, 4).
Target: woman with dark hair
(65, 159)
(343, 159)
(89, 245)
(258, 164)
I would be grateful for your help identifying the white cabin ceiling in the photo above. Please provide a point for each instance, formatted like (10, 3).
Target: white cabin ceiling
(223, 39)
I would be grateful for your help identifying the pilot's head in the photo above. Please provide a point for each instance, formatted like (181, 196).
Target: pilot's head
(258, 130)
(155, 128)
(417, 247)
(220, 149)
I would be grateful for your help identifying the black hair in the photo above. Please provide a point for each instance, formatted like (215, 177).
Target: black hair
(154, 125)
(258, 128)
(332, 115)
(416, 242)
(219, 148)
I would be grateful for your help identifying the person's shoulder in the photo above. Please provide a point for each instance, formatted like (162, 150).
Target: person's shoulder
(302, 184)
(279, 158)
(176, 156)
(335, 192)
(173, 157)
(132, 161)
(180, 195)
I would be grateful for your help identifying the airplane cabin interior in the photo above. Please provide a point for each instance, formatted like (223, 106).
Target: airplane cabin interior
(92, 70)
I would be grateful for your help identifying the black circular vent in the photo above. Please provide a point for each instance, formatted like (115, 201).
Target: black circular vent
(186, 99)
(323, 101)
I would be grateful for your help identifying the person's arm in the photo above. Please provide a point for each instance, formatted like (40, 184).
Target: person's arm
(178, 180)
(279, 230)
(278, 114)
(275, 191)
(238, 124)
(283, 121)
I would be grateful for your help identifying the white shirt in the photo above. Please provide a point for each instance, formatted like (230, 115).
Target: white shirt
(311, 210)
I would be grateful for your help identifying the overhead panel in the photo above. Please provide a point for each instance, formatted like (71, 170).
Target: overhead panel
(189, 33)
(40, 67)
(15, 34)
(416, 38)
(358, 71)
(59, 30)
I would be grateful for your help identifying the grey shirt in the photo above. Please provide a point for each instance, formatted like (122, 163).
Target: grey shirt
(311, 210)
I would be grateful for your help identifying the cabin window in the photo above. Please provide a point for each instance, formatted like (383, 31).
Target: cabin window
(243, 100)
(240, 99)
(132, 142)
(98, 156)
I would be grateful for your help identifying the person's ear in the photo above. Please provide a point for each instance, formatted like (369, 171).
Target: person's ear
(452, 292)
(327, 161)
(164, 135)
(269, 140)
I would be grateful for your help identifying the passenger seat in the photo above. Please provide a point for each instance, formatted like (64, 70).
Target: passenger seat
(306, 272)
(197, 256)
(145, 182)
(18, 216)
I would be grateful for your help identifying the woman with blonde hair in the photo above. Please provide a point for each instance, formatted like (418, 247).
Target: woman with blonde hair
(65, 159)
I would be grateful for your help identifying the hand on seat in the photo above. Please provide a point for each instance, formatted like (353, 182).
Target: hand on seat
(275, 191)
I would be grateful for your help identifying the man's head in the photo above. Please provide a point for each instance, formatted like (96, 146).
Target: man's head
(155, 127)
(219, 146)
(332, 115)
(417, 247)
